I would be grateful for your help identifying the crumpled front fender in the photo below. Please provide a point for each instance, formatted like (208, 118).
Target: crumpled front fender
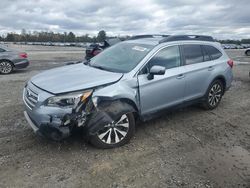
(107, 112)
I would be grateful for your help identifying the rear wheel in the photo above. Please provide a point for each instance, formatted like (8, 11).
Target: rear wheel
(213, 95)
(115, 134)
(6, 67)
(248, 53)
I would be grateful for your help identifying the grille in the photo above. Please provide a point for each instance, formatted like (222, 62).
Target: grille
(30, 97)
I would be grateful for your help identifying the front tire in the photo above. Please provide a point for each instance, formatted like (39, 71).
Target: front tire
(115, 134)
(248, 52)
(213, 95)
(6, 67)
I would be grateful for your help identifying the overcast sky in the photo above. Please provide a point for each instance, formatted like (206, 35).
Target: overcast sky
(219, 18)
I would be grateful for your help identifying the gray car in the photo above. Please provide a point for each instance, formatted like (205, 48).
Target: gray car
(11, 59)
(134, 79)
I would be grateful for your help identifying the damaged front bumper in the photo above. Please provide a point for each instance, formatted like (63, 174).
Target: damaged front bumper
(45, 120)
(32, 125)
(56, 123)
(88, 113)
(51, 128)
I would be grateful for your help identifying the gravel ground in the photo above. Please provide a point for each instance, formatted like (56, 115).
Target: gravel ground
(187, 148)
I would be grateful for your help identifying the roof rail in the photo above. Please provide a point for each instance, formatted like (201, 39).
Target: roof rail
(187, 37)
(146, 36)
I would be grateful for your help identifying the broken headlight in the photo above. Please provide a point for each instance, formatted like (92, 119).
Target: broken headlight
(68, 100)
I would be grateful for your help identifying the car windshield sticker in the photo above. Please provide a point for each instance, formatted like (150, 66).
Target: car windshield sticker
(139, 48)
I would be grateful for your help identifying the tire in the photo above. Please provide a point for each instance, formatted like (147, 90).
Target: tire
(115, 134)
(213, 95)
(248, 52)
(6, 67)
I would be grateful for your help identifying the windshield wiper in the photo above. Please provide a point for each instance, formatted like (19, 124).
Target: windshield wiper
(86, 62)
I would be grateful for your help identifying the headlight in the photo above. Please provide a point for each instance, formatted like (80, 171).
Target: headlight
(68, 100)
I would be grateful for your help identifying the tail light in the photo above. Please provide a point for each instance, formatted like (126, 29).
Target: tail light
(230, 63)
(23, 55)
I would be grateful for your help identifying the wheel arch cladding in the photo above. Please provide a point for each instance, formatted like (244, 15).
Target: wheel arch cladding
(2, 60)
(108, 111)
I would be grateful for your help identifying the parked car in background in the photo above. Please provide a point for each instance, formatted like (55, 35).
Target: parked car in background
(245, 45)
(239, 47)
(92, 50)
(247, 51)
(95, 48)
(11, 59)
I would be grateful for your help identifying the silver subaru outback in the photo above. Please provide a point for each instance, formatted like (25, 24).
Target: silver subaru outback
(135, 79)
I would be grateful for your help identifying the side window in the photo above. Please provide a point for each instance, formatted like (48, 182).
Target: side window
(168, 57)
(205, 54)
(213, 52)
(192, 53)
(2, 50)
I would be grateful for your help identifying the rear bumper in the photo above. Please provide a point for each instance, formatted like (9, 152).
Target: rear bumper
(21, 64)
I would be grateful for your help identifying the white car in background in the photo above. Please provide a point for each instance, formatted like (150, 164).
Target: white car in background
(247, 51)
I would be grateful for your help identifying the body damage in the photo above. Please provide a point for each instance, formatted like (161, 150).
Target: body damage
(109, 103)
(101, 107)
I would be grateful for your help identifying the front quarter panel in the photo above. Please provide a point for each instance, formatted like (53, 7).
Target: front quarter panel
(113, 101)
(124, 89)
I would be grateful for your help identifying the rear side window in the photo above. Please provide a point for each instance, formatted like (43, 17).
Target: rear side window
(213, 52)
(205, 54)
(192, 53)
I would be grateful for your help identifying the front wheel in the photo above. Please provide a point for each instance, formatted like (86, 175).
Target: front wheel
(248, 53)
(116, 133)
(6, 67)
(213, 95)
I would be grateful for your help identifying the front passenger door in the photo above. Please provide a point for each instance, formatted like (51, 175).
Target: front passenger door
(163, 90)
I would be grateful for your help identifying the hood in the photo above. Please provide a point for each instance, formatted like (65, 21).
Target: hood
(73, 78)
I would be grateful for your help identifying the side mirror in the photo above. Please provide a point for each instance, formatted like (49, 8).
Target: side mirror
(156, 70)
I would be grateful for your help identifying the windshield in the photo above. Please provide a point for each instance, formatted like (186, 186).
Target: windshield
(122, 57)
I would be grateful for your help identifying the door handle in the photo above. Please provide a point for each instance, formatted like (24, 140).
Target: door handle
(180, 76)
(210, 68)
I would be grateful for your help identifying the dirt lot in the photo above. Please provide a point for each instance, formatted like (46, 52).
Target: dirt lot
(187, 148)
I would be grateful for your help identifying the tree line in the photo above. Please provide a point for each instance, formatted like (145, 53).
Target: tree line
(242, 41)
(44, 36)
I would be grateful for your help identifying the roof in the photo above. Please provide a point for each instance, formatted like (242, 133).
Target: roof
(112, 41)
(150, 41)
(157, 39)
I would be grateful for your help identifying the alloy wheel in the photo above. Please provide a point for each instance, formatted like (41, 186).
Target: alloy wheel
(115, 132)
(214, 95)
(5, 67)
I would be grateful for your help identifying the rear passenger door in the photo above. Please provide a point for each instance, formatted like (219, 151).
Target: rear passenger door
(198, 70)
